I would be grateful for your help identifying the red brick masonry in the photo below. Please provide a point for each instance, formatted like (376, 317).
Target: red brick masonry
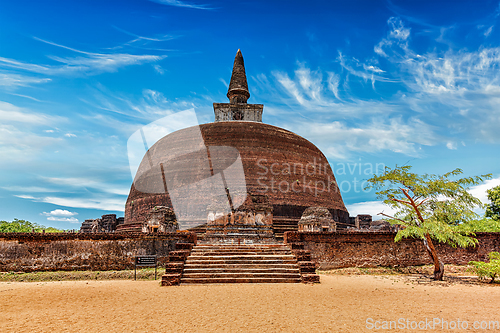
(27, 252)
(371, 249)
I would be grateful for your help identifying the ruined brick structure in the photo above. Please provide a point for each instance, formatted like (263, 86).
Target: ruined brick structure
(372, 249)
(107, 223)
(317, 219)
(29, 252)
(289, 170)
(26, 252)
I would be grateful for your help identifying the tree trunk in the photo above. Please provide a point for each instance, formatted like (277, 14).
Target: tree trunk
(438, 265)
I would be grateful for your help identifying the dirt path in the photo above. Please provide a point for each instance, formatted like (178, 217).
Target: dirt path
(339, 304)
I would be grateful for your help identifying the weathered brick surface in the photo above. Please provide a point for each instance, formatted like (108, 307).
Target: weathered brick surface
(371, 249)
(173, 279)
(308, 182)
(310, 278)
(184, 246)
(307, 267)
(302, 255)
(174, 267)
(178, 255)
(29, 252)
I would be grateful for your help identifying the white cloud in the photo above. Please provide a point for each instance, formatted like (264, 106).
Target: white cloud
(178, 3)
(451, 145)
(60, 212)
(103, 204)
(21, 146)
(13, 80)
(88, 183)
(10, 113)
(479, 191)
(70, 135)
(457, 91)
(372, 208)
(159, 69)
(339, 140)
(28, 189)
(375, 207)
(88, 63)
(24, 196)
(63, 219)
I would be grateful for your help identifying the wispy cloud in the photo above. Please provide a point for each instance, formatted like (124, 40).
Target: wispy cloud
(96, 202)
(63, 219)
(30, 189)
(13, 81)
(457, 91)
(88, 63)
(108, 204)
(340, 141)
(88, 183)
(20, 141)
(10, 113)
(178, 3)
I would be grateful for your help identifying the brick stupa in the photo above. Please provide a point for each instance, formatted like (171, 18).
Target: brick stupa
(284, 174)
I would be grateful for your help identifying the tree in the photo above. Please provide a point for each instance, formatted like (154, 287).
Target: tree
(482, 225)
(493, 209)
(429, 207)
(24, 226)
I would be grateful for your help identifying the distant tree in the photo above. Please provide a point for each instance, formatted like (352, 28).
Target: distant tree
(429, 207)
(24, 226)
(482, 225)
(493, 209)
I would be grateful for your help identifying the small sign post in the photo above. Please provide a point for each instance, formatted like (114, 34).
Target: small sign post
(142, 261)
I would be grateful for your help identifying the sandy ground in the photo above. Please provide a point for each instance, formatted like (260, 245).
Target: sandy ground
(339, 304)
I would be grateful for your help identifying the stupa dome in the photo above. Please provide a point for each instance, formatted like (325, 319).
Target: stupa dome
(237, 156)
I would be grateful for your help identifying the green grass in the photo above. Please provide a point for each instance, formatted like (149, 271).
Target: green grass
(142, 274)
(425, 269)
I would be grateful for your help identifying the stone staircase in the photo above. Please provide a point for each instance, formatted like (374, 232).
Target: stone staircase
(244, 263)
(250, 263)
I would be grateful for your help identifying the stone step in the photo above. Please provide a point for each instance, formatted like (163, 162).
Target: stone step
(241, 266)
(241, 257)
(240, 275)
(243, 263)
(240, 280)
(220, 270)
(240, 261)
(234, 253)
(241, 246)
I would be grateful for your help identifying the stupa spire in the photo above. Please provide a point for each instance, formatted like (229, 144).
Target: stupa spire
(238, 87)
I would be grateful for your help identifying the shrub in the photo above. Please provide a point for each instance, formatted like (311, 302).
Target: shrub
(487, 269)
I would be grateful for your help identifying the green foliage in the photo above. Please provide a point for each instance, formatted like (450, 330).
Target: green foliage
(24, 226)
(493, 209)
(429, 204)
(487, 269)
(481, 225)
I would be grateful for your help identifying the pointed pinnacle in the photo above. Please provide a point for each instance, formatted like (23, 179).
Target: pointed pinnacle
(238, 87)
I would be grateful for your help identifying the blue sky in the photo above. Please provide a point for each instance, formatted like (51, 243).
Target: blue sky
(369, 82)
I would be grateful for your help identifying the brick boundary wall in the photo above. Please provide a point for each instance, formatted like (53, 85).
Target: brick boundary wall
(372, 249)
(29, 252)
